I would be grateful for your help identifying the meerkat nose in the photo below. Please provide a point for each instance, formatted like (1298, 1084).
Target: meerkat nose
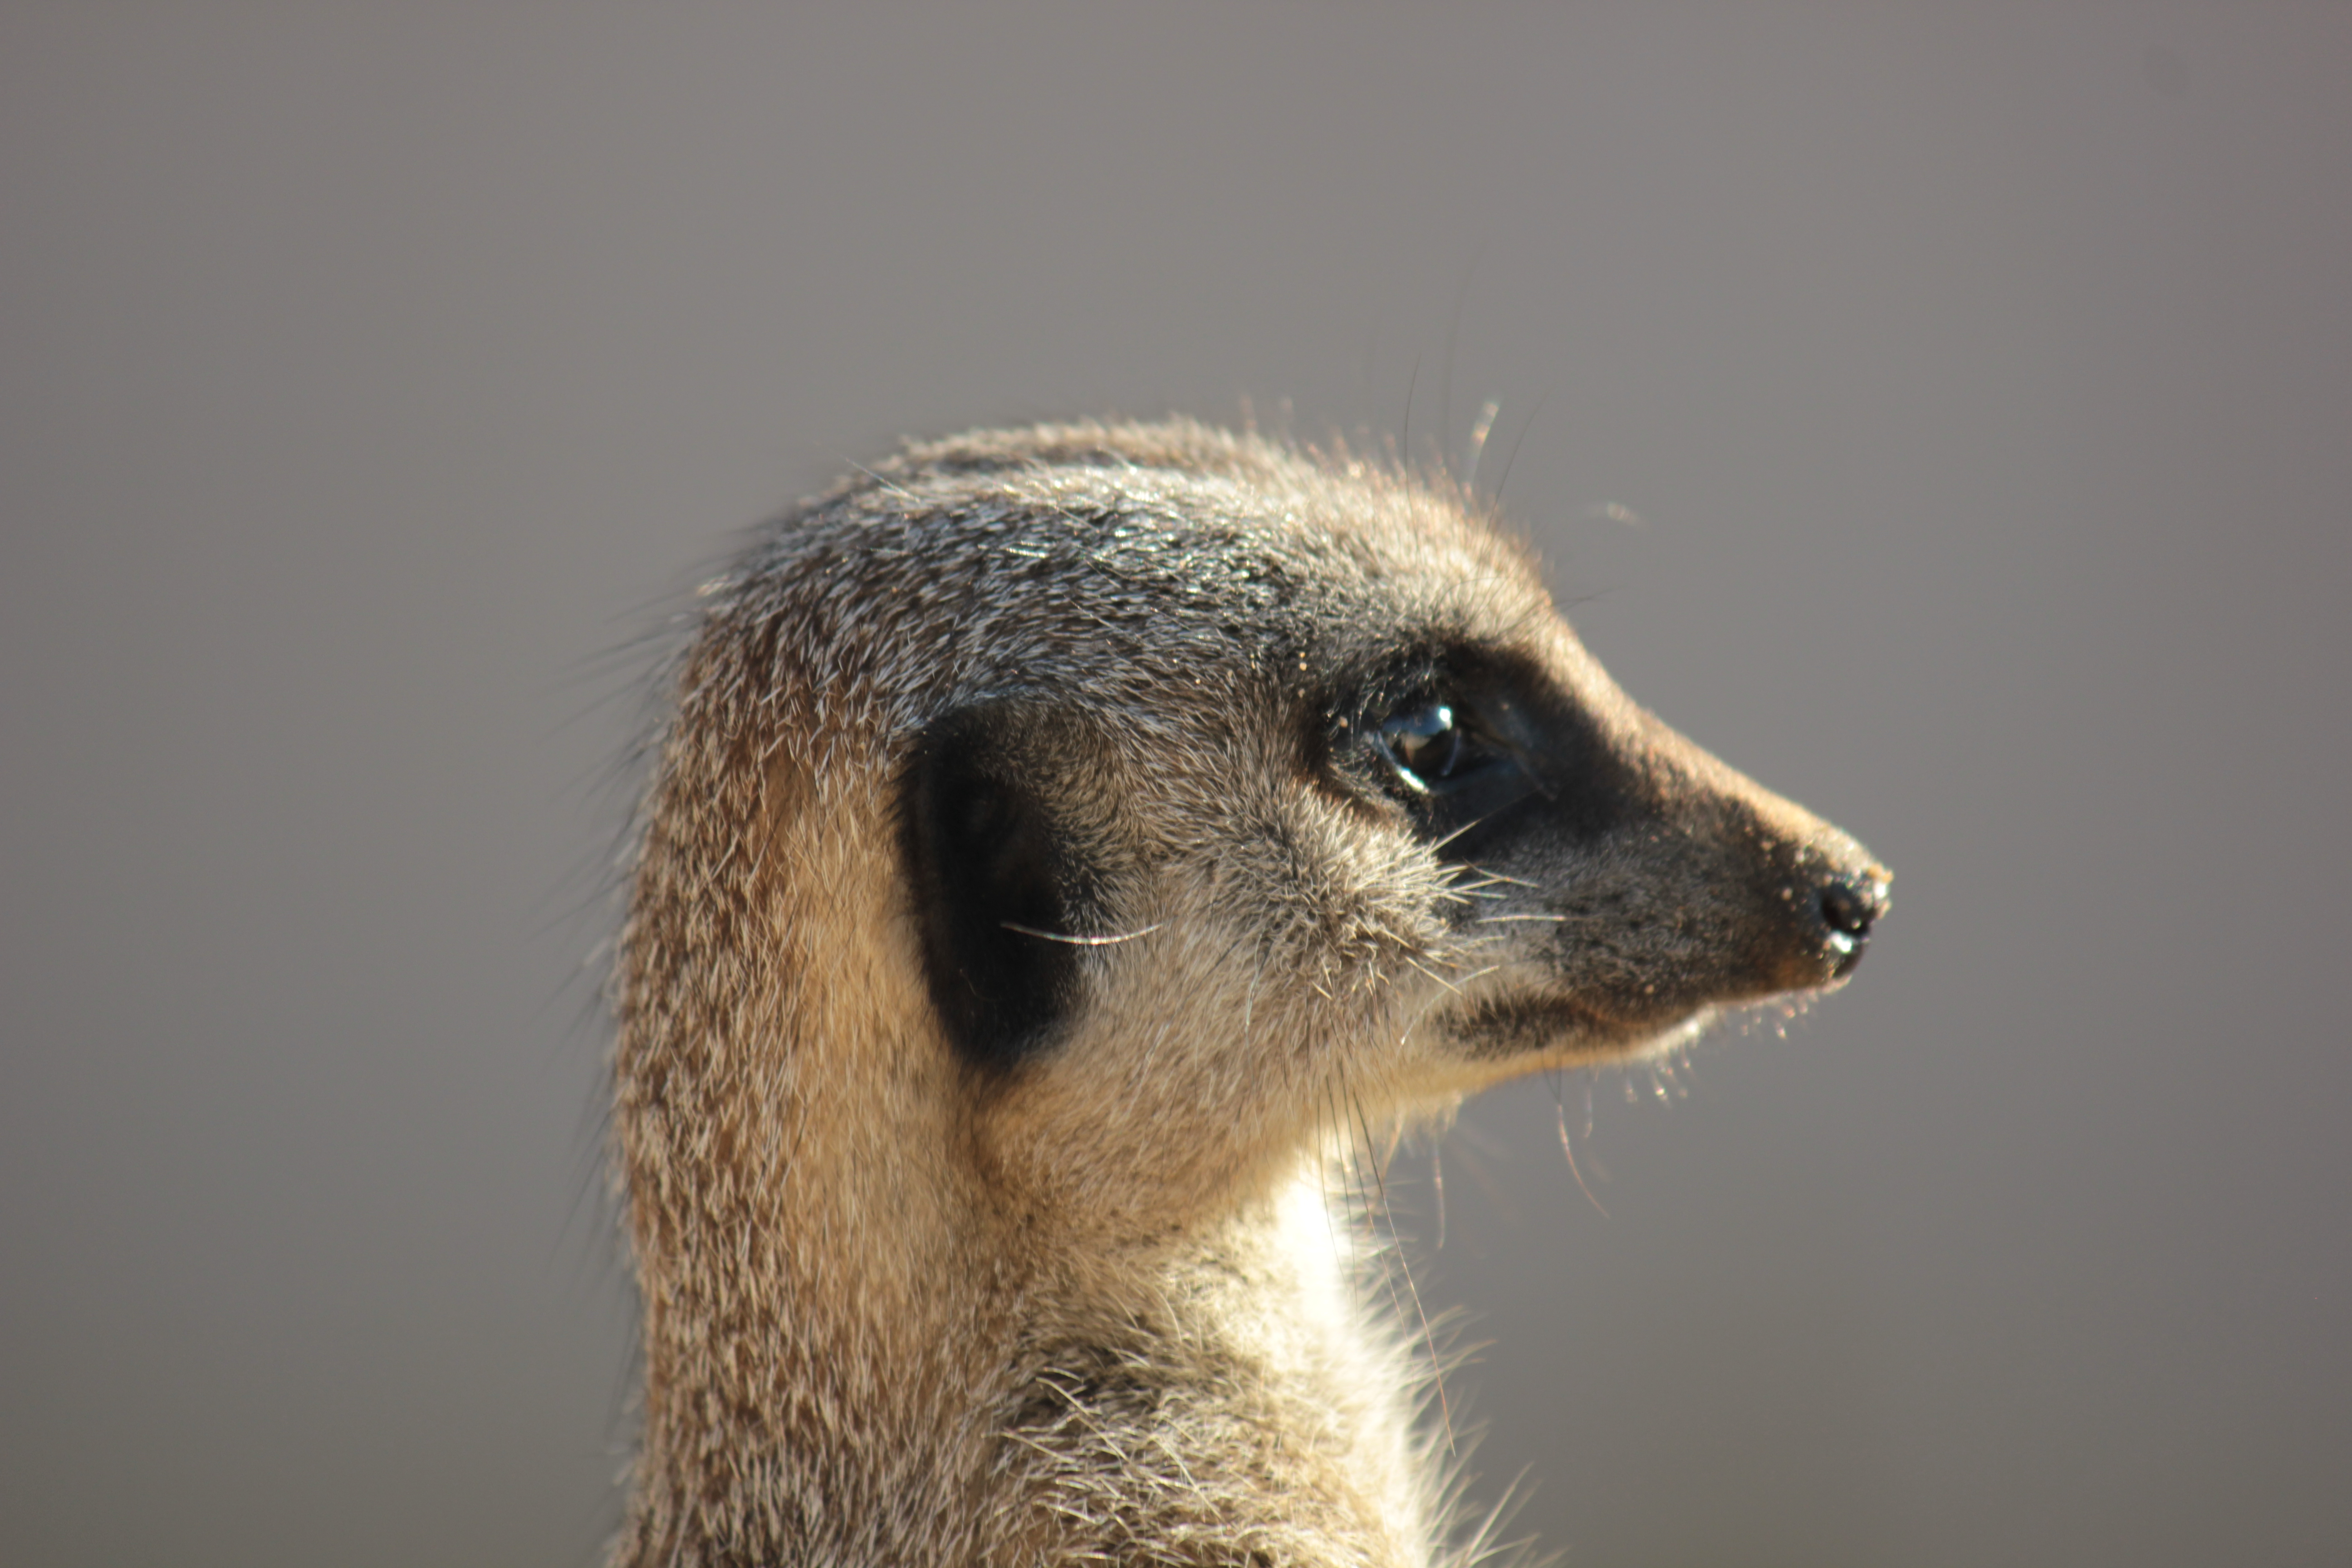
(1849, 902)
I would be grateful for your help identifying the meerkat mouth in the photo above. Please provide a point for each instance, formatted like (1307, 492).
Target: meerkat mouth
(1574, 1030)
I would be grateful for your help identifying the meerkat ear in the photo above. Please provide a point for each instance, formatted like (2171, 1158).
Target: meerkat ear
(991, 870)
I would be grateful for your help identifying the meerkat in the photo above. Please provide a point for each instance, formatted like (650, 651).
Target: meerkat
(1063, 843)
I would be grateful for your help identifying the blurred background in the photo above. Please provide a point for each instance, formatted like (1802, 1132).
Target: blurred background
(1943, 414)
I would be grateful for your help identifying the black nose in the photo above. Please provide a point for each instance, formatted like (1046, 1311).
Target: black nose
(1850, 903)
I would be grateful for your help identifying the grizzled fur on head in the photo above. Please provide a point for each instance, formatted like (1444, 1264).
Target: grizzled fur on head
(1062, 840)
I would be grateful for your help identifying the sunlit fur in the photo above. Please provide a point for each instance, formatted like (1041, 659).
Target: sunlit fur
(904, 1307)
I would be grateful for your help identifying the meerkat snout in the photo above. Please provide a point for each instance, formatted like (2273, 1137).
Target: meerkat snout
(1063, 841)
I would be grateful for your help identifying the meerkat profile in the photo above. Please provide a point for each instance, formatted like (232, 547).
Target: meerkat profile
(1063, 842)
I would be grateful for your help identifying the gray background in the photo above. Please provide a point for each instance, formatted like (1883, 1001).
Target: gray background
(1981, 381)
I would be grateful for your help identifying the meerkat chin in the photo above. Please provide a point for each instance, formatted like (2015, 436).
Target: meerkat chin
(1061, 839)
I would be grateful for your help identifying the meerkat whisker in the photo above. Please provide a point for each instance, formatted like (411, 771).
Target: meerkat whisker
(1111, 940)
(1442, 843)
(1434, 976)
(1405, 1267)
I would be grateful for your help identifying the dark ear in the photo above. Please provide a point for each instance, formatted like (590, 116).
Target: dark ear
(989, 866)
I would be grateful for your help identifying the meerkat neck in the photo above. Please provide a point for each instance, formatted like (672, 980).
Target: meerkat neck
(986, 1408)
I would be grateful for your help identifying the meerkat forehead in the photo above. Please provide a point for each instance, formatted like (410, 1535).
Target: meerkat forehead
(1119, 565)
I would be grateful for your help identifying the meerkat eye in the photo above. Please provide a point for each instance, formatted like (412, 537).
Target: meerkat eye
(1423, 744)
(1461, 772)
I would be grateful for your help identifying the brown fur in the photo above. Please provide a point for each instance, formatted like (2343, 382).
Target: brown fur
(906, 1302)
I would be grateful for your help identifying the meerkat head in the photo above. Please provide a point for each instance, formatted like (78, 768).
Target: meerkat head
(1073, 825)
